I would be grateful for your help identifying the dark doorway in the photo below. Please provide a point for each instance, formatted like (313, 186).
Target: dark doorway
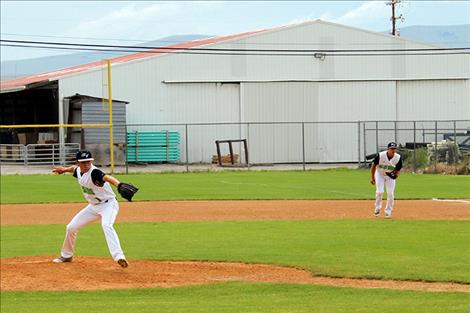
(37, 105)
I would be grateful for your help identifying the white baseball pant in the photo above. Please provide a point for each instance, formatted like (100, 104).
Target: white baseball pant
(108, 212)
(380, 181)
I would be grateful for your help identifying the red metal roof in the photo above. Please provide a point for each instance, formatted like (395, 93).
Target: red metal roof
(21, 83)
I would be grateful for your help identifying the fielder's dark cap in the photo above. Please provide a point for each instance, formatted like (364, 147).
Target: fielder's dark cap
(83, 156)
(392, 145)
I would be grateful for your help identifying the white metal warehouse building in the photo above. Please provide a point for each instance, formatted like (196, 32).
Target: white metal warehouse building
(178, 88)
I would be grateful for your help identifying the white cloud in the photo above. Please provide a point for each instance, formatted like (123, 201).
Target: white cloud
(306, 18)
(156, 20)
(368, 12)
(134, 21)
(371, 14)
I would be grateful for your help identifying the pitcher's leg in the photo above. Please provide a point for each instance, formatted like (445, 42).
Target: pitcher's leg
(84, 217)
(390, 196)
(379, 191)
(108, 217)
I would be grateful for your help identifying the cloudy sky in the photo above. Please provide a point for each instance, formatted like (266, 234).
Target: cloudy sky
(122, 22)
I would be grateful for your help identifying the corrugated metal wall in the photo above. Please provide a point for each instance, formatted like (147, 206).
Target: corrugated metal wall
(436, 99)
(203, 103)
(94, 112)
(313, 102)
(351, 102)
(345, 102)
(278, 102)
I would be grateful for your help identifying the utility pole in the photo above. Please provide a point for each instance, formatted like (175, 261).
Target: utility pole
(395, 18)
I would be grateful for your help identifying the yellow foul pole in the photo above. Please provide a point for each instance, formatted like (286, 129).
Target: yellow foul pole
(110, 102)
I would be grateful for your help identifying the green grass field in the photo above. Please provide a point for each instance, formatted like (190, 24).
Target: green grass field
(379, 249)
(237, 297)
(327, 184)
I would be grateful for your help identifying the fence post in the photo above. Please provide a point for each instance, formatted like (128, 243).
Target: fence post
(245, 145)
(358, 144)
(219, 156)
(303, 146)
(435, 146)
(187, 153)
(230, 148)
(414, 147)
(248, 140)
(455, 132)
(456, 144)
(377, 136)
(62, 153)
(365, 146)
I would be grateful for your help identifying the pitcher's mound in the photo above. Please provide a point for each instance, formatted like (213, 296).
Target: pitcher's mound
(93, 273)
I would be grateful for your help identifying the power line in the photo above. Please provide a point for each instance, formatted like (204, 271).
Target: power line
(232, 43)
(309, 54)
(176, 48)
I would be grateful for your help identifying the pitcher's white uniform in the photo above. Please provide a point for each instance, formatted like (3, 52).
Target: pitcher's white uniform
(102, 203)
(384, 165)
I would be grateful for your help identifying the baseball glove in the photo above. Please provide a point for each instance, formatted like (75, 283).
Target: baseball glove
(392, 175)
(127, 191)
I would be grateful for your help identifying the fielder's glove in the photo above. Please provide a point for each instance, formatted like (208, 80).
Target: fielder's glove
(127, 191)
(392, 175)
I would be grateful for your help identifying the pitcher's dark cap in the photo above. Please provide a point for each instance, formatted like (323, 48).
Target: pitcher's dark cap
(83, 156)
(392, 145)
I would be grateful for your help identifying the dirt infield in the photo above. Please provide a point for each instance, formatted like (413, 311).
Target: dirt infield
(93, 273)
(165, 211)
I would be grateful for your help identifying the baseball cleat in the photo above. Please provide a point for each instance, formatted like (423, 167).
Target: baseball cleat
(388, 215)
(123, 263)
(62, 260)
(376, 212)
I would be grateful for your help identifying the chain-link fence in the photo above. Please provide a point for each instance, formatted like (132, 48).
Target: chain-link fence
(433, 146)
(429, 146)
(425, 145)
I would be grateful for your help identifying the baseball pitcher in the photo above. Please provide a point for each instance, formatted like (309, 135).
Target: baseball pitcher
(384, 171)
(102, 203)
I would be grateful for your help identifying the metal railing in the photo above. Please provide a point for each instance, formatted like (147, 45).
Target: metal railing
(39, 154)
(12, 153)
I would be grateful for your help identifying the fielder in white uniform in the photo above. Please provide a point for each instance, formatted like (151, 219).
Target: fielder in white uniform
(384, 171)
(102, 203)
